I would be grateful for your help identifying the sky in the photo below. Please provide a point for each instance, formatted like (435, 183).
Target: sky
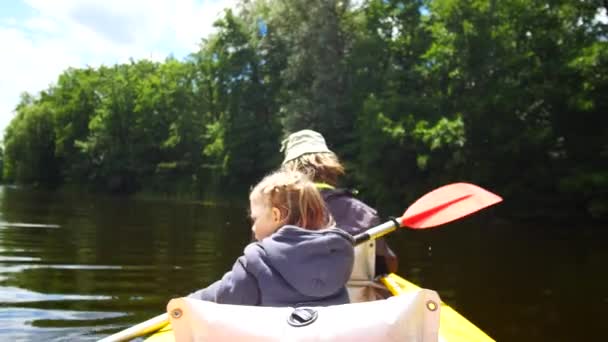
(41, 38)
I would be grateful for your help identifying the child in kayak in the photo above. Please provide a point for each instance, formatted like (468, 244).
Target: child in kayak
(306, 151)
(299, 258)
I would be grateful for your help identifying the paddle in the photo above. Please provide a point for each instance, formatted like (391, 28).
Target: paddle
(442, 205)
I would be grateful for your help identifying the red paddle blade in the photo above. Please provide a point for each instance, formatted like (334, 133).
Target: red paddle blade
(447, 203)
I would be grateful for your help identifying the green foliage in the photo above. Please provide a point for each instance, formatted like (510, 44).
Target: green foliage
(1, 163)
(411, 94)
(30, 145)
(243, 137)
(311, 36)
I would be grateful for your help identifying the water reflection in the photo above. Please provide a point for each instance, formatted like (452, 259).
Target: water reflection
(79, 266)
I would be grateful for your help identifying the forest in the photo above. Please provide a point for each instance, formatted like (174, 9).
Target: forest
(411, 95)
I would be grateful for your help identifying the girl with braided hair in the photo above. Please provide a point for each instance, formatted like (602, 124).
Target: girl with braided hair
(299, 258)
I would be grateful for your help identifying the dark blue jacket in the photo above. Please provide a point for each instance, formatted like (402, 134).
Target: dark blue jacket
(353, 216)
(292, 267)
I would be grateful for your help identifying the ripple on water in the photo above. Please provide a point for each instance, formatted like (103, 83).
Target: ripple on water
(28, 324)
(27, 225)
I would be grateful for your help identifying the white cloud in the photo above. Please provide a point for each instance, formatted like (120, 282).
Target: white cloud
(27, 65)
(77, 33)
(9, 21)
(601, 16)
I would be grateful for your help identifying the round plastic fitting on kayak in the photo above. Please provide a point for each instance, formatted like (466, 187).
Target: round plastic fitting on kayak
(301, 317)
(177, 313)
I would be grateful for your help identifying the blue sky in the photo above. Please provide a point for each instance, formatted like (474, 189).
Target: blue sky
(41, 38)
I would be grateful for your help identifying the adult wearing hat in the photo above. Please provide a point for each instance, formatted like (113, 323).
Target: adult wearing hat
(307, 152)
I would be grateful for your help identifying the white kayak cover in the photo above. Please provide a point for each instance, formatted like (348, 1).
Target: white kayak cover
(408, 317)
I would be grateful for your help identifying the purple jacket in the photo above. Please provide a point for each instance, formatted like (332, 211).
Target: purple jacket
(352, 215)
(292, 267)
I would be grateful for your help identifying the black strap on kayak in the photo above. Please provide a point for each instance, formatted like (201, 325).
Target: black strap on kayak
(394, 220)
(360, 238)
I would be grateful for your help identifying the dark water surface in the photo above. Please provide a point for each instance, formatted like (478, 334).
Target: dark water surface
(79, 267)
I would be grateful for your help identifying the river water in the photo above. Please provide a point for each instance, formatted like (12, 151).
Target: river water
(80, 267)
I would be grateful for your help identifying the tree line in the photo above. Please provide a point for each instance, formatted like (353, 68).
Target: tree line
(411, 94)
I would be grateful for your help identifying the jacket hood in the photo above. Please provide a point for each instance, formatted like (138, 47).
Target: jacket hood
(315, 263)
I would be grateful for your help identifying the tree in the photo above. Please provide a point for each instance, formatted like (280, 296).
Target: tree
(75, 99)
(314, 94)
(30, 144)
(514, 70)
(249, 130)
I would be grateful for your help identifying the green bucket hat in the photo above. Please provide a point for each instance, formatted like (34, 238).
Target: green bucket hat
(303, 142)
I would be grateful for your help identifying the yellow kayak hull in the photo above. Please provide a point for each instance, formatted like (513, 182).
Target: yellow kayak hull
(453, 327)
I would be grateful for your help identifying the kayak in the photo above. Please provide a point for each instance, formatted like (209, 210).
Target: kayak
(453, 327)
(438, 207)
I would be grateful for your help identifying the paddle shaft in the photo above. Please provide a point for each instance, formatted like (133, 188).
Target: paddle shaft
(377, 231)
(143, 328)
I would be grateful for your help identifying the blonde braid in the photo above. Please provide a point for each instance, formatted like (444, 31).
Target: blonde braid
(296, 196)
